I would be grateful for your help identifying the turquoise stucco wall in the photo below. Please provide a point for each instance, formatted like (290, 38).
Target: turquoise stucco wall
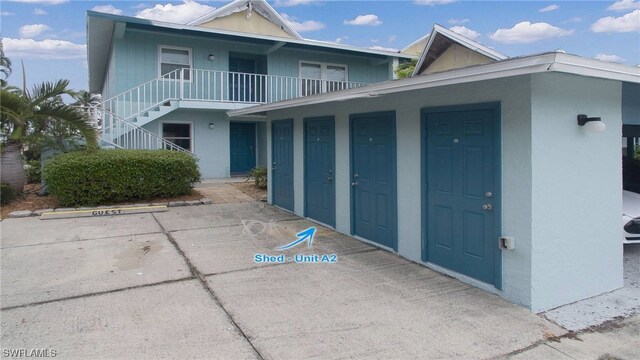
(576, 190)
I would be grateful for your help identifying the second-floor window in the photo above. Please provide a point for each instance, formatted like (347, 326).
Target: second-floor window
(320, 78)
(174, 58)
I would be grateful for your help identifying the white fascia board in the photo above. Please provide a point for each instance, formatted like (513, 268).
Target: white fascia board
(556, 62)
(415, 42)
(470, 44)
(595, 68)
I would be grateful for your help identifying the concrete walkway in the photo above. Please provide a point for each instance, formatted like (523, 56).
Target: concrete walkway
(222, 193)
(184, 284)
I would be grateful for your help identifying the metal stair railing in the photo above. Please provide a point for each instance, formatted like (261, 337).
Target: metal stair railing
(124, 134)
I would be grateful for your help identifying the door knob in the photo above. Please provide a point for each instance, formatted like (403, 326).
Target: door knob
(330, 178)
(355, 183)
(487, 207)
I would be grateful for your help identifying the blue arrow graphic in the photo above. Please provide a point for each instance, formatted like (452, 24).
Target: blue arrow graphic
(302, 237)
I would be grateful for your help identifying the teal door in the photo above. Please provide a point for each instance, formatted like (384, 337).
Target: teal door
(282, 163)
(319, 189)
(243, 147)
(242, 82)
(462, 191)
(373, 178)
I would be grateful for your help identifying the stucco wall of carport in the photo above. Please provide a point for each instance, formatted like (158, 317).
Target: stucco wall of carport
(515, 97)
(514, 94)
(577, 190)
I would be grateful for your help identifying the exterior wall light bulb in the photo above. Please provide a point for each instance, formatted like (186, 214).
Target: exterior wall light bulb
(211, 57)
(212, 125)
(593, 124)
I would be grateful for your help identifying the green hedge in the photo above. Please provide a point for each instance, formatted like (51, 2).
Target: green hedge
(7, 194)
(109, 176)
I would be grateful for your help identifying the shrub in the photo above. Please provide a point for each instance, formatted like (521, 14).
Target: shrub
(7, 194)
(34, 171)
(108, 176)
(259, 175)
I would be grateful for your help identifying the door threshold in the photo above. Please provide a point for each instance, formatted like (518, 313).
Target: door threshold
(464, 278)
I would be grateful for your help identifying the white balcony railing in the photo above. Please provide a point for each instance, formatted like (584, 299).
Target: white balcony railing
(216, 86)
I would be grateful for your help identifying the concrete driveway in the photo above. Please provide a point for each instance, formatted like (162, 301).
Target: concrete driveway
(184, 284)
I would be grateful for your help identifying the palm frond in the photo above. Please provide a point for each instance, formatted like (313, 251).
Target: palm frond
(68, 114)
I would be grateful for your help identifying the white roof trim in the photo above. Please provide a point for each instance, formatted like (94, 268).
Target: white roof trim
(260, 6)
(556, 62)
(462, 40)
(415, 43)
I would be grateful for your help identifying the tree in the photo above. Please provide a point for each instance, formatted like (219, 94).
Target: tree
(5, 66)
(88, 102)
(405, 69)
(25, 113)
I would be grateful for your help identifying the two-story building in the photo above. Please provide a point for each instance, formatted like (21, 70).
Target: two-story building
(167, 85)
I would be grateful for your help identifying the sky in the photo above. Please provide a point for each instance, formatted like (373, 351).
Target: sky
(49, 36)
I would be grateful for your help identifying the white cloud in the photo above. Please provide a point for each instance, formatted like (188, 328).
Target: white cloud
(465, 31)
(6, 13)
(309, 25)
(179, 14)
(48, 2)
(108, 9)
(626, 23)
(33, 30)
(341, 39)
(286, 3)
(550, 8)
(45, 49)
(525, 32)
(623, 5)
(364, 20)
(610, 58)
(392, 38)
(458, 21)
(39, 12)
(433, 2)
(376, 47)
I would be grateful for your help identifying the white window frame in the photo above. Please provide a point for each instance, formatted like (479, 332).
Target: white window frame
(191, 131)
(160, 47)
(323, 73)
(323, 69)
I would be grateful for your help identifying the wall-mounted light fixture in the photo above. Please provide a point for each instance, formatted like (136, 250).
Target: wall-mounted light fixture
(211, 57)
(212, 125)
(593, 124)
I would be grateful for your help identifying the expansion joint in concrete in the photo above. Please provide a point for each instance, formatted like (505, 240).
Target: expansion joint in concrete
(205, 286)
(82, 296)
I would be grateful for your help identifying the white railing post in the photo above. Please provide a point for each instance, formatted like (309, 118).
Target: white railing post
(181, 83)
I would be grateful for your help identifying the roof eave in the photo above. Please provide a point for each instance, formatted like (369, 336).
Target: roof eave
(562, 63)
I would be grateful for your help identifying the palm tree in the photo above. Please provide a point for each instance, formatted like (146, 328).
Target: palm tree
(24, 112)
(5, 66)
(405, 69)
(88, 102)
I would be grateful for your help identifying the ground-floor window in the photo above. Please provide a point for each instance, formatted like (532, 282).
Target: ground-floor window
(178, 133)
